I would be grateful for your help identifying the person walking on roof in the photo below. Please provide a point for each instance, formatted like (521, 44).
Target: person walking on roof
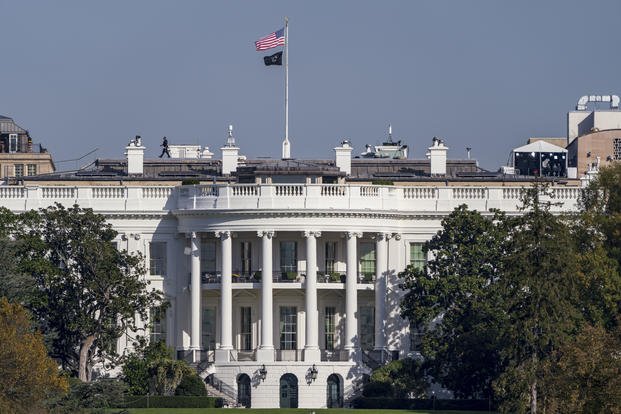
(164, 148)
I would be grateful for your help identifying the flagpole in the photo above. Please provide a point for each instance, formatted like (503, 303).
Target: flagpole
(286, 148)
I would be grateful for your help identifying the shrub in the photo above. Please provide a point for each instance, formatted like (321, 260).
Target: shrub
(191, 385)
(190, 181)
(382, 182)
(103, 393)
(160, 401)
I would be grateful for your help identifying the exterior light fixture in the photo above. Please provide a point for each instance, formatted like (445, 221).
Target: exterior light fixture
(314, 372)
(263, 372)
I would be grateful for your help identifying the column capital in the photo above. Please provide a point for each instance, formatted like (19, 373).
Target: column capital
(311, 233)
(396, 236)
(381, 236)
(266, 233)
(223, 234)
(351, 234)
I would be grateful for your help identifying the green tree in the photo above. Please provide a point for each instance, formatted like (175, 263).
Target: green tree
(151, 369)
(28, 376)
(540, 295)
(88, 293)
(398, 379)
(451, 304)
(585, 373)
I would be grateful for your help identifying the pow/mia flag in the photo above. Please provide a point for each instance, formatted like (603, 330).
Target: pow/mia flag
(275, 59)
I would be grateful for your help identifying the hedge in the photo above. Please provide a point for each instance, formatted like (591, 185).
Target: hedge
(160, 401)
(420, 404)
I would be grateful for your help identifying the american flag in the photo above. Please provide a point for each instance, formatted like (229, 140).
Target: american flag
(273, 39)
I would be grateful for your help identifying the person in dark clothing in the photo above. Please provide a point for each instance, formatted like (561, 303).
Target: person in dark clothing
(164, 148)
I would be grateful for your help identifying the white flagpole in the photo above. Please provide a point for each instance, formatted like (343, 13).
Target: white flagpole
(286, 147)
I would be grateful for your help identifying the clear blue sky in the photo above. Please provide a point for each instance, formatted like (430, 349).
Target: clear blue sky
(487, 74)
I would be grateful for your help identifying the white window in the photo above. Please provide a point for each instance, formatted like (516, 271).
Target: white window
(32, 169)
(330, 327)
(157, 324)
(288, 327)
(12, 142)
(157, 258)
(417, 256)
(367, 327)
(208, 257)
(208, 331)
(19, 170)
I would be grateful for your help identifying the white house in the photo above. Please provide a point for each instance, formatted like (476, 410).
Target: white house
(282, 275)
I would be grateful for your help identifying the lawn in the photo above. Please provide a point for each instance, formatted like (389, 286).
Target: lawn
(281, 411)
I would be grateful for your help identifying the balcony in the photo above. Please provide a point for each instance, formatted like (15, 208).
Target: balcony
(337, 279)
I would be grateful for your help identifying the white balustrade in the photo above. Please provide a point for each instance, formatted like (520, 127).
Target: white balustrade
(332, 197)
(108, 192)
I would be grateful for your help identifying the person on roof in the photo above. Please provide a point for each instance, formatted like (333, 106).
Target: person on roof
(164, 146)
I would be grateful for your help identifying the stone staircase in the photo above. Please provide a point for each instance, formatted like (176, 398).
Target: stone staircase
(220, 390)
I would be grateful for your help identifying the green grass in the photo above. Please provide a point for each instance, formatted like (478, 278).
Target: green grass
(281, 411)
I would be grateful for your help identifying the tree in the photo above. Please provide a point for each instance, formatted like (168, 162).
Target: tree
(450, 301)
(539, 287)
(27, 375)
(503, 298)
(152, 370)
(601, 206)
(88, 293)
(398, 379)
(585, 374)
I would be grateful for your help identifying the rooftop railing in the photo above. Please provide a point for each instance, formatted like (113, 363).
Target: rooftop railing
(331, 197)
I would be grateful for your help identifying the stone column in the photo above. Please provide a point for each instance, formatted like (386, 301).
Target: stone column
(265, 353)
(195, 298)
(381, 265)
(223, 353)
(352, 341)
(311, 349)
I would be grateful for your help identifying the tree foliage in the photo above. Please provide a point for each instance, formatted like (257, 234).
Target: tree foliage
(450, 304)
(504, 299)
(398, 379)
(28, 376)
(151, 369)
(86, 293)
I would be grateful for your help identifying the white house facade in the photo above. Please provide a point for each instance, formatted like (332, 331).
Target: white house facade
(283, 289)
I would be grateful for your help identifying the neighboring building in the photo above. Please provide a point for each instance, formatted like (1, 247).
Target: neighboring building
(594, 136)
(282, 275)
(19, 156)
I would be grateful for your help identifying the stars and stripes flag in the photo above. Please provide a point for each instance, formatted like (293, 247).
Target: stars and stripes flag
(273, 39)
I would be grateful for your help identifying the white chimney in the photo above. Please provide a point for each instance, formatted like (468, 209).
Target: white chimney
(230, 154)
(343, 157)
(437, 156)
(135, 156)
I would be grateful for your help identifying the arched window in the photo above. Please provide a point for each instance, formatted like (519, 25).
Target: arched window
(334, 396)
(243, 390)
(288, 391)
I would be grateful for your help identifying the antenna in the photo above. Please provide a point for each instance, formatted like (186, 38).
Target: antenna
(389, 133)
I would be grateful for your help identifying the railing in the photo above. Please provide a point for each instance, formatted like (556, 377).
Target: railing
(289, 354)
(335, 355)
(333, 197)
(108, 192)
(376, 358)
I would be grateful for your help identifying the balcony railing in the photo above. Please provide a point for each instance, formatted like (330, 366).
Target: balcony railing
(332, 197)
(334, 355)
(285, 277)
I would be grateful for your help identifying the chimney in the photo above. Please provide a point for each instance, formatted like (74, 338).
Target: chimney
(343, 157)
(230, 154)
(135, 156)
(437, 156)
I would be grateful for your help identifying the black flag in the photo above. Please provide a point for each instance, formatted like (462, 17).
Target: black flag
(275, 59)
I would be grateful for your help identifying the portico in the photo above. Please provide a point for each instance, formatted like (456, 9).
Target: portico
(327, 273)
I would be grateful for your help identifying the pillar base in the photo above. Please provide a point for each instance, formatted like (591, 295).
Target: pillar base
(265, 355)
(312, 355)
(354, 354)
(223, 355)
